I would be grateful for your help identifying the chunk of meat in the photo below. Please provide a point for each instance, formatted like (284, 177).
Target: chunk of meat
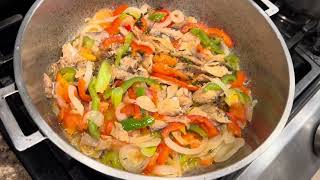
(217, 71)
(70, 56)
(48, 86)
(167, 31)
(147, 62)
(119, 133)
(171, 91)
(185, 98)
(204, 97)
(129, 64)
(170, 107)
(215, 113)
(121, 74)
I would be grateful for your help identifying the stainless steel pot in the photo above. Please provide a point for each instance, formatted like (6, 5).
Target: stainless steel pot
(50, 23)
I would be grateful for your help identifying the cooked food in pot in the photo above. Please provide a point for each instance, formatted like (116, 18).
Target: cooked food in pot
(151, 91)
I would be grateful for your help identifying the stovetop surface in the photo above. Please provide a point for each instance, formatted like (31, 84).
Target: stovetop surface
(46, 161)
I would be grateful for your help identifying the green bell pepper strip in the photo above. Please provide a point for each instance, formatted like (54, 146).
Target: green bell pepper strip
(140, 91)
(111, 158)
(103, 78)
(242, 97)
(94, 96)
(93, 129)
(68, 73)
(87, 42)
(133, 124)
(149, 151)
(156, 17)
(124, 48)
(197, 129)
(127, 84)
(212, 44)
(116, 96)
(232, 61)
(212, 86)
(229, 78)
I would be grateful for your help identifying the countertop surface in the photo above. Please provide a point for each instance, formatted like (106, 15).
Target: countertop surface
(10, 167)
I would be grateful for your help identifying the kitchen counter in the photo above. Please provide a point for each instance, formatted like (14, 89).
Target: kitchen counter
(10, 167)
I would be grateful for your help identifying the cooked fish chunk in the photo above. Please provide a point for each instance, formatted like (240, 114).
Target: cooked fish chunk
(202, 97)
(170, 107)
(215, 113)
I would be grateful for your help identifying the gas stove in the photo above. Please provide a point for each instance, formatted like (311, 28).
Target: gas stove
(290, 157)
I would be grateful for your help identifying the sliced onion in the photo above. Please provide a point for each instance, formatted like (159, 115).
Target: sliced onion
(178, 137)
(88, 74)
(87, 140)
(220, 84)
(172, 145)
(226, 151)
(131, 159)
(74, 100)
(158, 124)
(61, 102)
(95, 116)
(140, 139)
(153, 142)
(181, 119)
(213, 143)
(120, 116)
(165, 170)
(144, 8)
(163, 24)
(177, 16)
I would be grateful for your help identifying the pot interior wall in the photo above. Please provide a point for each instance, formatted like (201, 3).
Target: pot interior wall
(261, 54)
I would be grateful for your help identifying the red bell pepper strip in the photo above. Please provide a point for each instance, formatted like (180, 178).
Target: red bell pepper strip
(152, 163)
(222, 34)
(131, 110)
(120, 9)
(241, 79)
(175, 81)
(113, 39)
(166, 70)
(132, 93)
(114, 28)
(62, 89)
(234, 128)
(164, 152)
(238, 112)
(173, 126)
(82, 91)
(141, 48)
(107, 128)
(204, 123)
(185, 28)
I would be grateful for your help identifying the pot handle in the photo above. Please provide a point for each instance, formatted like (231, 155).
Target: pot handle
(19, 140)
(272, 9)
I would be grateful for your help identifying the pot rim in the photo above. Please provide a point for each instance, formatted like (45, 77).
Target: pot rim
(70, 150)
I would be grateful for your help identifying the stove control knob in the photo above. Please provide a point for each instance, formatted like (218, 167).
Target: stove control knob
(316, 142)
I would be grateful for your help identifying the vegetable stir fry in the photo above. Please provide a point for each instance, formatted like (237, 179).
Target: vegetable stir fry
(151, 91)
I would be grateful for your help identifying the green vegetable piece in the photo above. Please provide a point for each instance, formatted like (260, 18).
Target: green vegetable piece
(104, 77)
(156, 17)
(156, 134)
(123, 16)
(107, 94)
(188, 163)
(111, 158)
(133, 124)
(210, 43)
(116, 96)
(212, 86)
(68, 73)
(233, 61)
(87, 42)
(127, 84)
(140, 91)
(197, 129)
(93, 129)
(149, 151)
(124, 48)
(235, 96)
(94, 96)
(229, 78)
